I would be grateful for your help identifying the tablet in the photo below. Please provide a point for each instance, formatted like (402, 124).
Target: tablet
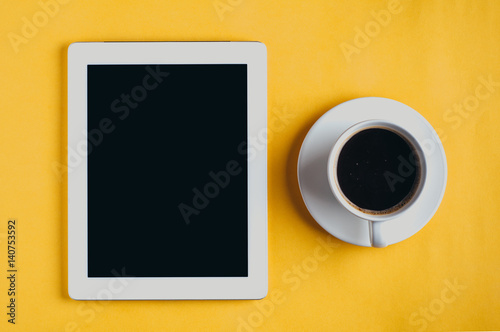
(167, 170)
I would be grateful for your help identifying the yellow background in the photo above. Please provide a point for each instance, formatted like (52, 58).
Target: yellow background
(429, 56)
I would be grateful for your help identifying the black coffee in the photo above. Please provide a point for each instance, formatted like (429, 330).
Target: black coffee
(378, 170)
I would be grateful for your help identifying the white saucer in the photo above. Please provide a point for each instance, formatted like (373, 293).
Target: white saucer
(312, 170)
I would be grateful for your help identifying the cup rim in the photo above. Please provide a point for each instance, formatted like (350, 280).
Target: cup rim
(333, 160)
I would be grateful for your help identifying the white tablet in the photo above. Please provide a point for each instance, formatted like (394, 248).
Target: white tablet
(167, 178)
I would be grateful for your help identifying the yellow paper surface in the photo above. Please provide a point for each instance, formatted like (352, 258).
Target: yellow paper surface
(433, 56)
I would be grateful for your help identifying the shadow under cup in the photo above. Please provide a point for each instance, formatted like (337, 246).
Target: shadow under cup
(378, 169)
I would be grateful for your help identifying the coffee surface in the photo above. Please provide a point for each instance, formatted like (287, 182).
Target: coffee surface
(377, 170)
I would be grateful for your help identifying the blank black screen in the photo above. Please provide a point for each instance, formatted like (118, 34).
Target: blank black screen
(167, 174)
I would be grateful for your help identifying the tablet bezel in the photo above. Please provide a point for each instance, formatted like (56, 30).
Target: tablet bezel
(80, 286)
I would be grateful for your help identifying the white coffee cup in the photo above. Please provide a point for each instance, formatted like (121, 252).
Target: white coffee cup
(377, 236)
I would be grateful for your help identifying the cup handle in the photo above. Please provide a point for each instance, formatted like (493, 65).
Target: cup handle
(376, 237)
